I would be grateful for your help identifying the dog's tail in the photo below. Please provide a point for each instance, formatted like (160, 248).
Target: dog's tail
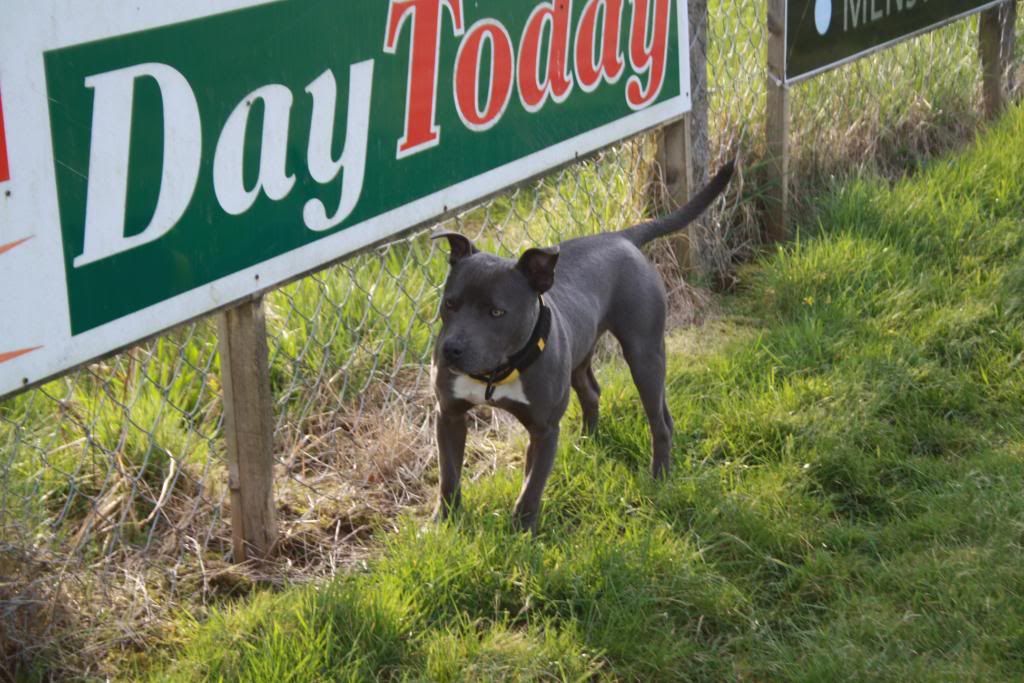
(677, 220)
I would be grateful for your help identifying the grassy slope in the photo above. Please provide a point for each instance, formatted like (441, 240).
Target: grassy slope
(846, 502)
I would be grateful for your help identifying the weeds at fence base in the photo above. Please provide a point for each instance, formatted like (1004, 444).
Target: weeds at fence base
(341, 480)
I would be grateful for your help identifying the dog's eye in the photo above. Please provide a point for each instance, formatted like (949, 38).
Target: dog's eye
(450, 304)
(497, 312)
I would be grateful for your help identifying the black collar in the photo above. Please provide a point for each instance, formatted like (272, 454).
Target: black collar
(522, 359)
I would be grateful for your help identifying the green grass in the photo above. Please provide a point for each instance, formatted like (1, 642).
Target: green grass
(846, 502)
(86, 440)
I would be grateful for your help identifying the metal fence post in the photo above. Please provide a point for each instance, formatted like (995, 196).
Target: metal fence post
(248, 429)
(1010, 47)
(995, 47)
(697, 134)
(777, 126)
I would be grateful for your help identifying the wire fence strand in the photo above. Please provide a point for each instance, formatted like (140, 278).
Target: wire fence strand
(113, 483)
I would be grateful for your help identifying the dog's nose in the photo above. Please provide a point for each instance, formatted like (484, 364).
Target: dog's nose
(452, 351)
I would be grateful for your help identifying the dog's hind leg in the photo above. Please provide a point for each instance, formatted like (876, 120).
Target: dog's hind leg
(646, 359)
(588, 391)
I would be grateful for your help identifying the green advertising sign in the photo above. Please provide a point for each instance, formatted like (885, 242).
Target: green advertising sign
(196, 152)
(823, 34)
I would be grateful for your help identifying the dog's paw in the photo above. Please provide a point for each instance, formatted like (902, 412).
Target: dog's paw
(525, 520)
(441, 515)
(660, 469)
(447, 506)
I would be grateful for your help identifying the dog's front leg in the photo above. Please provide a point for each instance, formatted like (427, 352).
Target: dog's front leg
(451, 447)
(540, 457)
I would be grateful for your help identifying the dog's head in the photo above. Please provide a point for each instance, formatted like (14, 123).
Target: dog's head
(490, 304)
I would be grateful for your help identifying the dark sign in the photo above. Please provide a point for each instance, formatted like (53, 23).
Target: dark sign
(822, 34)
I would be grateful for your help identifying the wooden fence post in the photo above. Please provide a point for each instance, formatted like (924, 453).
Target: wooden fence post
(682, 155)
(995, 47)
(248, 429)
(777, 126)
(673, 158)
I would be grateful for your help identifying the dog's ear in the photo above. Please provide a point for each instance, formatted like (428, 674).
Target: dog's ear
(538, 265)
(459, 245)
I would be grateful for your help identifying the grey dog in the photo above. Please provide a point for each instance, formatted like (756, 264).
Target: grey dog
(518, 334)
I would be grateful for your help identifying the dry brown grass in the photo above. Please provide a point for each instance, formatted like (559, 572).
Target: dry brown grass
(342, 479)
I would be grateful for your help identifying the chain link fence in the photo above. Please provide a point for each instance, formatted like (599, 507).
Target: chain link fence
(113, 483)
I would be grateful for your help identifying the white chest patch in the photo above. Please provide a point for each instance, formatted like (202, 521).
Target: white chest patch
(468, 389)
